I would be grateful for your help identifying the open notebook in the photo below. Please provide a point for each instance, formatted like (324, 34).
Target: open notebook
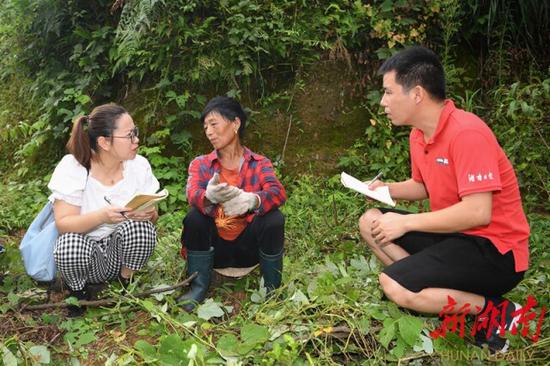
(141, 201)
(381, 194)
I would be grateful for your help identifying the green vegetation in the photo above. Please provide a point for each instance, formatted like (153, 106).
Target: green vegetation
(330, 310)
(307, 71)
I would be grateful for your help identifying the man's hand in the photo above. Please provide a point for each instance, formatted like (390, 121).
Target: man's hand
(241, 204)
(372, 185)
(388, 227)
(377, 183)
(217, 192)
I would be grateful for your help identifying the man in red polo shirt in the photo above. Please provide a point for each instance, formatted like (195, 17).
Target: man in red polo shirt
(473, 245)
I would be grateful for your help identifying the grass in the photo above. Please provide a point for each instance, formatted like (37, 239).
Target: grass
(330, 310)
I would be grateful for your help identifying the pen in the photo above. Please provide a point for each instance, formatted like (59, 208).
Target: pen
(374, 179)
(109, 202)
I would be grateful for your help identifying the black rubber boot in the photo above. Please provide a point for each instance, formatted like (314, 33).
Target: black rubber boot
(200, 262)
(77, 311)
(271, 266)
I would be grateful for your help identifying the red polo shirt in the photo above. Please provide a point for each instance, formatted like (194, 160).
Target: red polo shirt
(464, 157)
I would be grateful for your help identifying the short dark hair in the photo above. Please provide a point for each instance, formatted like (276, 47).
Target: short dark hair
(414, 66)
(228, 108)
(87, 129)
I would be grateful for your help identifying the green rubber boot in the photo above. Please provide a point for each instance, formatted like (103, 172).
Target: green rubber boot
(201, 262)
(271, 266)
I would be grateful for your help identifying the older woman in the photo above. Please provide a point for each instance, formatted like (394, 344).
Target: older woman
(234, 220)
(100, 239)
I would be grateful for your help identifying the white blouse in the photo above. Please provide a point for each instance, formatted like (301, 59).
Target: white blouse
(71, 183)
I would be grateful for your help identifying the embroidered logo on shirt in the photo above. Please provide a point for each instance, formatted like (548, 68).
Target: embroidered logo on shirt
(442, 161)
(472, 178)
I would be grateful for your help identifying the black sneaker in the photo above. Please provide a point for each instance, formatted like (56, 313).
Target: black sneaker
(75, 311)
(94, 290)
(493, 340)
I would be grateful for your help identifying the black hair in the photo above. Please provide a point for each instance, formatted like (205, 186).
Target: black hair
(87, 129)
(228, 108)
(414, 66)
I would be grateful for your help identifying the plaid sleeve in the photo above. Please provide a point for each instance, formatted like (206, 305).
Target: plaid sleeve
(196, 185)
(272, 193)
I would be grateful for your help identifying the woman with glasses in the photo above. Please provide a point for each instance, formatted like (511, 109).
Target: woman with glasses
(234, 220)
(101, 240)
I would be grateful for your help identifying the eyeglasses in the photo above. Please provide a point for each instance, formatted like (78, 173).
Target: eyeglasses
(132, 135)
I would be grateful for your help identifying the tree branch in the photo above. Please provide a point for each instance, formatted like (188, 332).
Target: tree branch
(108, 301)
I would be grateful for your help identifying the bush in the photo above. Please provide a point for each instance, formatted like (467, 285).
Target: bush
(520, 121)
(20, 203)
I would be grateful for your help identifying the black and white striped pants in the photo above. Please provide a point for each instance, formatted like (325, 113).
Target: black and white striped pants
(82, 260)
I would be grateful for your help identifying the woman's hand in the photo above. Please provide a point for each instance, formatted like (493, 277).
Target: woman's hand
(146, 215)
(113, 214)
(241, 204)
(388, 227)
(217, 192)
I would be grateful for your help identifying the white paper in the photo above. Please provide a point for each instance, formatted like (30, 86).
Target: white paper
(381, 194)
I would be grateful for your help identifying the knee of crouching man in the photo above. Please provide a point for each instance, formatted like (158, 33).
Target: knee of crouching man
(392, 289)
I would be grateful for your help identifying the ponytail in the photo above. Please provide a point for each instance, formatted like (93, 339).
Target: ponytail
(79, 142)
(87, 129)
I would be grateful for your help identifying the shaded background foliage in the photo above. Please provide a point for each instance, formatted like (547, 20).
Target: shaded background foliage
(164, 59)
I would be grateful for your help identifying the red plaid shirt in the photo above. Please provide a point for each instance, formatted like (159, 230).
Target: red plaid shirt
(256, 176)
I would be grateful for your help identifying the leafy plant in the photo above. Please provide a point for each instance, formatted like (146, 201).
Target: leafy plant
(384, 148)
(20, 202)
(520, 122)
(14, 353)
(163, 60)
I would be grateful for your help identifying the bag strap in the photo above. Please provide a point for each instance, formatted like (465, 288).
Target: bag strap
(87, 176)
